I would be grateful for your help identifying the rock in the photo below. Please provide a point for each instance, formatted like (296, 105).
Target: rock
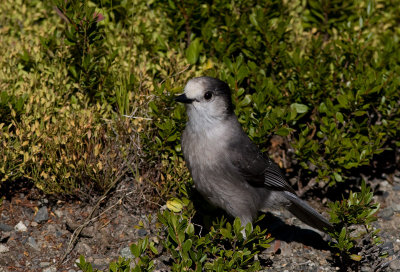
(51, 228)
(41, 215)
(388, 247)
(384, 183)
(142, 232)
(126, 253)
(365, 268)
(50, 269)
(4, 248)
(32, 243)
(396, 187)
(100, 264)
(386, 213)
(34, 224)
(59, 213)
(83, 249)
(5, 227)
(395, 264)
(4, 236)
(44, 264)
(396, 207)
(20, 227)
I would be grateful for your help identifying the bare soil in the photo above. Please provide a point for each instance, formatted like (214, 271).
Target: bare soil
(46, 244)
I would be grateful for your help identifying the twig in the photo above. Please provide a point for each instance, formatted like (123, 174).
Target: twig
(187, 23)
(137, 117)
(76, 233)
(178, 73)
(309, 185)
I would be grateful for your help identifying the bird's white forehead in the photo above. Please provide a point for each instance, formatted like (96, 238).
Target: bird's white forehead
(194, 88)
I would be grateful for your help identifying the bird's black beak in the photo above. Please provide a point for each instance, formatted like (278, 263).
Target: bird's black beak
(184, 99)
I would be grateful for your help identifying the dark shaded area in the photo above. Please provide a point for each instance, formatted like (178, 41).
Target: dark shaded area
(206, 214)
(8, 188)
(291, 233)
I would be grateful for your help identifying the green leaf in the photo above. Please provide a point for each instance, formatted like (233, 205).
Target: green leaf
(135, 250)
(245, 101)
(193, 51)
(339, 117)
(153, 248)
(187, 245)
(337, 176)
(226, 233)
(242, 73)
(253, 20)
(342, 99)
(282, 132)
(299, 108)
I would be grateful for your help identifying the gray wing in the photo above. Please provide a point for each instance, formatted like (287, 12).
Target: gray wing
(258, 170)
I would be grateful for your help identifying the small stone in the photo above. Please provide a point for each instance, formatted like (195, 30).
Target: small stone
(4, 248)
(50, 269)
(395, 264)
(388, 247)
(41, 215)
(384, 183)
(365, 268)
(51, 228)
(32, 243)
(386, 213)
(126, 253)
(396, 187)
(83, 249)
(20, 227)
(142, 232)
(5, 227)
(100, 264)
(4, 236)
(34, 224)
(396, 207)
(44, 264)
(59, 213)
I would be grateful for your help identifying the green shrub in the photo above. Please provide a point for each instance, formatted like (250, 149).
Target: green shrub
(354, 238)
(328, 93)
(224, 248)
(89, 58)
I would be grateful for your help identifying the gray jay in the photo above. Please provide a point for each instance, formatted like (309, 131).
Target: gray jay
(227, 168)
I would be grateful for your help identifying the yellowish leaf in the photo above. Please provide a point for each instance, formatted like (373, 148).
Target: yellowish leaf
(356, 257)
(175, 205)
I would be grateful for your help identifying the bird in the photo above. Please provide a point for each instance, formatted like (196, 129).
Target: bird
(227, 168)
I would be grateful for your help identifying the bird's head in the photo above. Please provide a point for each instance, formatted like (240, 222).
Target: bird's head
(207, 99)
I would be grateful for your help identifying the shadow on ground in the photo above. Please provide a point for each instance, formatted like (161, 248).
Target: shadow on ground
(206, 214)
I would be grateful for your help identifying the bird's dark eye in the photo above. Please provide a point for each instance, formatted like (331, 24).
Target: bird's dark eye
(208, 95)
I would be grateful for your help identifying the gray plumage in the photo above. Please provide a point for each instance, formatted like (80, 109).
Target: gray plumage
(227, 168)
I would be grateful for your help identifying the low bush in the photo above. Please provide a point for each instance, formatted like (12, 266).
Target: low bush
(224, 248)
(355, 239)
(87, 93)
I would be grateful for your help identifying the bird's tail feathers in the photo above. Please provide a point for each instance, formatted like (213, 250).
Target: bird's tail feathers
(305, 213)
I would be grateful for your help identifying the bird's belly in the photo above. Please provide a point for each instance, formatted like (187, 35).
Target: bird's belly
(229, 192)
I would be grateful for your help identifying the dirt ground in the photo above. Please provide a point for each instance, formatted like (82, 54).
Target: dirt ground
(35, 232)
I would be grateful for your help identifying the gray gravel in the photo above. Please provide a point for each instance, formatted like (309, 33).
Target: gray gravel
(39, 240)
(41, 215)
